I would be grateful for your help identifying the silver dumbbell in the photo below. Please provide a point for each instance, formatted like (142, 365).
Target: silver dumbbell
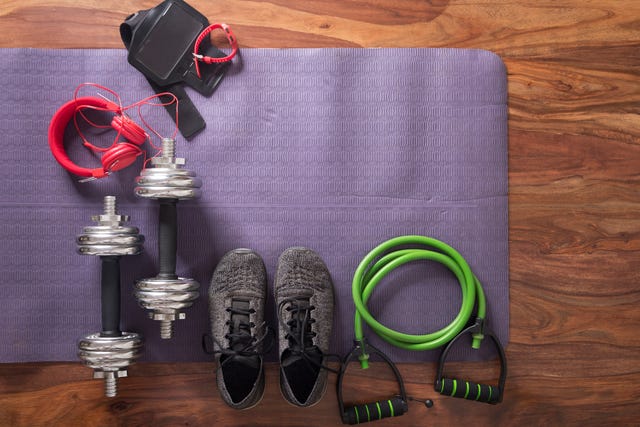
(167, 181)
(109, 357)
(111, 351)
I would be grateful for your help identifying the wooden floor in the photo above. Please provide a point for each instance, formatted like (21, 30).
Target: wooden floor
(574, 207)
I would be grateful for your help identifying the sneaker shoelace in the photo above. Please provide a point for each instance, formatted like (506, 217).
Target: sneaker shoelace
(242, 344)
(300, 334)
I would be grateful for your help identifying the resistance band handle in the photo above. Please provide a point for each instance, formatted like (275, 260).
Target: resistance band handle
(355, 414)
(110, 296)
(168, 238)
(366, 412)
(468, 390)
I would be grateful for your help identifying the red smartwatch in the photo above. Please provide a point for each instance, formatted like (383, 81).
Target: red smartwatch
(210, 59)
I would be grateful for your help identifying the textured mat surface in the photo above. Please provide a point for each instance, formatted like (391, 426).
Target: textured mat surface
(333, 149)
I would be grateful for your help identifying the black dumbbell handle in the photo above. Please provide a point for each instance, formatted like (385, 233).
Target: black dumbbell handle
(468, 390)
(110, 284)
(168, 238)
(366, 412)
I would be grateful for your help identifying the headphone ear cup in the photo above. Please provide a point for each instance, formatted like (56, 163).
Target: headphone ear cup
(120, 156)
(129, 129)
(57, 127)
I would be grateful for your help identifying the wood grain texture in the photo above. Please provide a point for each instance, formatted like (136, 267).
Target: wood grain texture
(574, 207)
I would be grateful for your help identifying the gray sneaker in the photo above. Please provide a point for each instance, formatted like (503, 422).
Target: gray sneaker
(304, 300)
(236, 309)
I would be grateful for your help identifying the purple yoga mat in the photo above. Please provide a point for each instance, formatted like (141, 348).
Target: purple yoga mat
(333, 149)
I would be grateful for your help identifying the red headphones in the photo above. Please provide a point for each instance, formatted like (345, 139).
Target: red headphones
(118, 156)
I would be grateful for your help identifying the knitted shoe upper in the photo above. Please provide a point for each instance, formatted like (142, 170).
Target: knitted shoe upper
(304, 298)
(236, 308)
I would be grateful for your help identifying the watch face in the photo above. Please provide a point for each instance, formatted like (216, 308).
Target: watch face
(169, 39)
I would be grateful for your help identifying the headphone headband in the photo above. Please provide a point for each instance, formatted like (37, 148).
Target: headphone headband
(116, 158)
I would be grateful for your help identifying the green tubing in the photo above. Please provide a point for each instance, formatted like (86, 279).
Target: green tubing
(383, 259)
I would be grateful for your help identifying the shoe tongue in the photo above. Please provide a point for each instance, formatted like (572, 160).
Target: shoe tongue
(241, 335)
(289, 358)
(239, 331)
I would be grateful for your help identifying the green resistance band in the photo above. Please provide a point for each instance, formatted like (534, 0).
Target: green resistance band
(372, 269)
(388, 256)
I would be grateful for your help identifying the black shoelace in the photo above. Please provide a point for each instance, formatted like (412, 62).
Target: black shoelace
(300, 334)
(241, 341)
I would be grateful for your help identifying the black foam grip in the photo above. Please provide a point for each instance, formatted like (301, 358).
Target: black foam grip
(366, 412)
(168, 238)
(110, 296)
(468, 390)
